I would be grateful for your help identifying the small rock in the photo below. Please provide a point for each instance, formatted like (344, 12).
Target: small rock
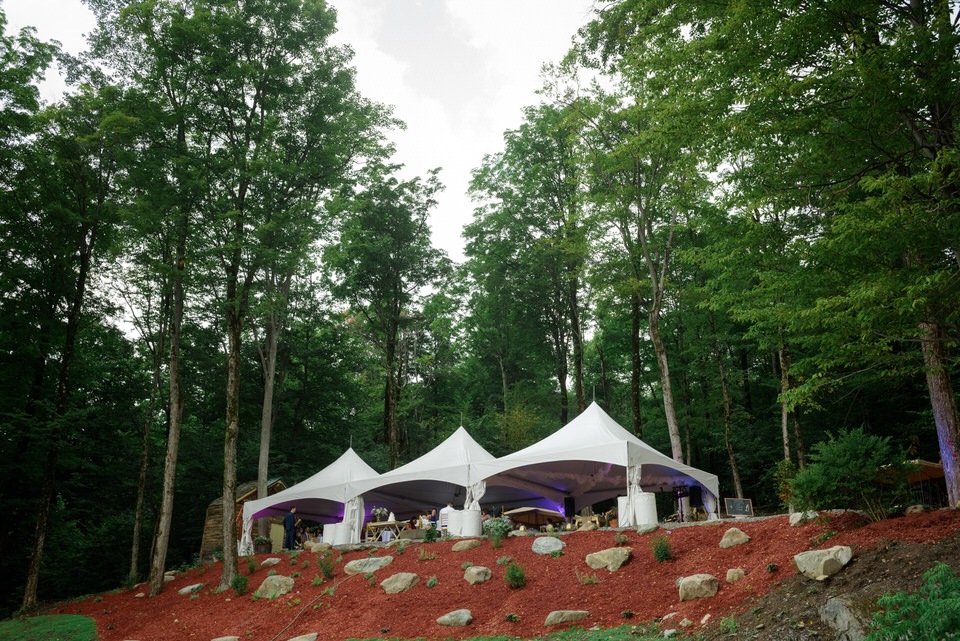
(456, 618)
(563, 616)
(547, 545)
(734, 536)
(735, 574)
(467, 544)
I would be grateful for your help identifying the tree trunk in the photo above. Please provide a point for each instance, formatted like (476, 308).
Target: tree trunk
(637, 364)
(230, 438)
(944, 403)
(159, 558)
(784, 387)
(734, 469)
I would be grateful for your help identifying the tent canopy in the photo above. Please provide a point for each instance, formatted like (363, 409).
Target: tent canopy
(318, 498)
(587, 461)
(439, 476)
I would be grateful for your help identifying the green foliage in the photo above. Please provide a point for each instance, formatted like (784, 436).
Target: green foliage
(497, 528)
(586, 579)
(782, 479)
(431, 535)
(851, 470)
(432, 581)
(931, 614)
(515, 575)
(239, 584)
(662, 548)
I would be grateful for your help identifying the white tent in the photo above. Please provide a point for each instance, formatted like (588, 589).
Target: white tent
(447, 473)
(321, 497)
(593, 458)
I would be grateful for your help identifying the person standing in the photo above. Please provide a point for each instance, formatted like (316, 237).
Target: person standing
(290, 523)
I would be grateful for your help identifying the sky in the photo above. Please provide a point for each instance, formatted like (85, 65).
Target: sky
(458, 72)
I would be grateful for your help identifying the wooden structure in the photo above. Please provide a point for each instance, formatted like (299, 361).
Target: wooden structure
(213, 522)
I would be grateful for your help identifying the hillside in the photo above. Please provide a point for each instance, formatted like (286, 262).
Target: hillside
(889, 556)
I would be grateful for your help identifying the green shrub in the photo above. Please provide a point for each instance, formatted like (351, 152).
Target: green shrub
(662, 548)
(852, 470)
(928, 615)
(515, 576)
(497, 528)
(239, 584)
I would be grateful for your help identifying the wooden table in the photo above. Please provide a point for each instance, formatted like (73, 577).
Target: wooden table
(376, 528)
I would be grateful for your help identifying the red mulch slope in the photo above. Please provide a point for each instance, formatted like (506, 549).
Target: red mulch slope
(357, 609)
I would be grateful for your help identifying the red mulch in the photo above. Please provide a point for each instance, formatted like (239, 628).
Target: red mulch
(360, 610)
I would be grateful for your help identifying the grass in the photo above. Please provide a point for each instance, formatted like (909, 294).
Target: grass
(63, 627)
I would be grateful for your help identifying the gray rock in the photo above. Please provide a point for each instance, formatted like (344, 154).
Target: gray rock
(799, 518)
(647, 528)
(274, 586)
(837, 613)
(564, 616)
(698, 586)
(735, 574)
(371, 564)
(547, 545)
(400, 582)
(734, 536)
(466, 544)
(820, 564)
(611, 558)
(477, 574)
(190, 588)
(456, 618)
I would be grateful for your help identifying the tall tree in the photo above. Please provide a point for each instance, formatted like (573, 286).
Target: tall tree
(380, 262)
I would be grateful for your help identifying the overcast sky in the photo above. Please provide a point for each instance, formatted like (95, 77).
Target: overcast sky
(458, 72)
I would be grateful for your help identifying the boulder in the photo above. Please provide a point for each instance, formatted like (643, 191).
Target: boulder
(456, 618)
(400, 582)
(466, 544)
(196, 587)
(820, 564)
(799, 518)
(477, 574)
(838, 614)
(734, 536)
(274, 586)
(371, 564)
(647, 528)
(735, 574)
(547, 545)
(564, 616)
(611, 558)
(698, 586)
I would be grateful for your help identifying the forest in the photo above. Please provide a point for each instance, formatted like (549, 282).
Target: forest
(734, 225)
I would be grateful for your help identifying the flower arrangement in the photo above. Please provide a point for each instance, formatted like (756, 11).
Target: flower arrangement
(380, 513)
(261, 540)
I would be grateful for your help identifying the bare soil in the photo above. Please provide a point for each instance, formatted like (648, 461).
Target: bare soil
(888, 556)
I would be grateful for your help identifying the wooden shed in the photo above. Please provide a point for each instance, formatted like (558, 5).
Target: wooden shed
(213, 523)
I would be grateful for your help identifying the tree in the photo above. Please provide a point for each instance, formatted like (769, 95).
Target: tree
(380, 262)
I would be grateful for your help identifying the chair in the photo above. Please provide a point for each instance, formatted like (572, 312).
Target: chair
(444, 521)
